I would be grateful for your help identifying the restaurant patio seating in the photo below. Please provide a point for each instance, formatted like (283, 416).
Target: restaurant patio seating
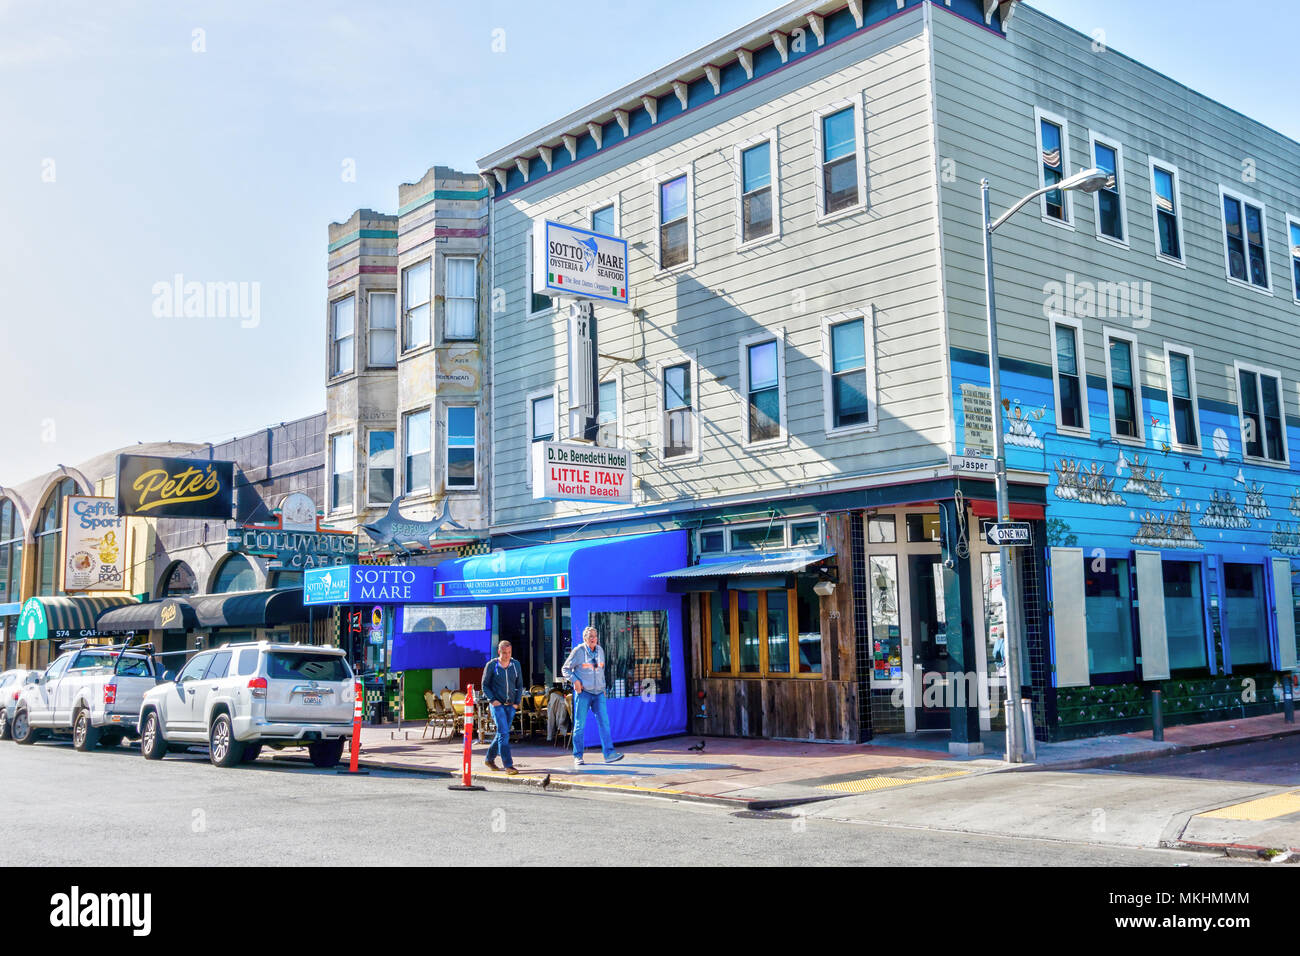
(563, 735)
(438, 718)
(457, 702)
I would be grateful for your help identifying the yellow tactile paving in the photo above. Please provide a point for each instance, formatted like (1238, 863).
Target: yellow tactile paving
(867, 784)
(1265, 808)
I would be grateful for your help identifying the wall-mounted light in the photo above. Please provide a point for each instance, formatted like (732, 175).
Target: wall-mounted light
(825, 585)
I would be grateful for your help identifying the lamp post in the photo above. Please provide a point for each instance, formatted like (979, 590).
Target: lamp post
(1089, 181)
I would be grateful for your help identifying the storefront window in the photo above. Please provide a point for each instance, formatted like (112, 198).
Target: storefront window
(712, 607)
(922, 528)
(768, 633)
(49, 539)
(995, 616)
(808, 625)
(805, 534)
(235, 574)
(882, 529)
(1108, 609)
(745, 604)
(758, 539)
(1243, 586)
(11, 553)
(778, 632)
(636, 651)
(1184, 614)
(180, 581)
(886, 635)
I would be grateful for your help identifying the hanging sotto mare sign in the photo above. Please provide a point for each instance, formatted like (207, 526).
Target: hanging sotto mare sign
(569, 261)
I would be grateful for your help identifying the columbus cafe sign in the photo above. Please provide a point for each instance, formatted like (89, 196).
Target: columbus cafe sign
(572, 472)
(297, 541)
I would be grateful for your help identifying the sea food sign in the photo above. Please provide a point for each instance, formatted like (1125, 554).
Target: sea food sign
(175, 487)
(94, 545)
(581, 473)
(579, 263)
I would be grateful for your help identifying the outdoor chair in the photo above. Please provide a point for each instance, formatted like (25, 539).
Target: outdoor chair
(441, 718)
(433, 706)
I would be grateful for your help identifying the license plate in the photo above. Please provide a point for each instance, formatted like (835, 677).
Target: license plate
(311, 698)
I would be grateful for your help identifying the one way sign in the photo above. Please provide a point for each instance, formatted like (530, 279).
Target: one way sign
(1008, 533)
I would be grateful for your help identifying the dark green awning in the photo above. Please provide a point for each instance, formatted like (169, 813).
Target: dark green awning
(64, 618)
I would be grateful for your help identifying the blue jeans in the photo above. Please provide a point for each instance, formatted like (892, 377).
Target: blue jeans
(596, 702)
(503, 716)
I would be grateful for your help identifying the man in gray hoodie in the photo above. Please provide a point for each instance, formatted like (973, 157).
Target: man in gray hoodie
(585, 666)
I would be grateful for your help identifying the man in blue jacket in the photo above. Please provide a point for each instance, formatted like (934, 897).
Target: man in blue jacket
(503, 686)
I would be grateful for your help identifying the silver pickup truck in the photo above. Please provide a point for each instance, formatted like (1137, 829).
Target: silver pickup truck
(92, 693)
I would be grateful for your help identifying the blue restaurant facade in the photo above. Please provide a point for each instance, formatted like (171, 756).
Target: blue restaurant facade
(451, 616)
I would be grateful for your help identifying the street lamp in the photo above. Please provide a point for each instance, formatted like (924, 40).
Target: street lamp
(1088, 181)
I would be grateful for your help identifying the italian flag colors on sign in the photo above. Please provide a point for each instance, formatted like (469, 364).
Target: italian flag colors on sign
(558, 280)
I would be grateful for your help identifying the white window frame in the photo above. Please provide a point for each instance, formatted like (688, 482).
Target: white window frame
(687, 358)
(404, 347)
(1095, 139)
(446, 448)
(1152, 163)
(553, 393)
(370, 502)
(446, 297)
(752, 526)
(351, 506)
(1130, 339)
(1226, 193)
(771, 137)
(1068, 195)
(689, 172)
(403, 418)
(594, 207)
(1077, 326)
(617, 378)
(1292, 257)
(529, 235)
(370, 329)
(334, 340)
(1237, 368)
(860, 129)
(1195, 398)
(776, 335)
(828, 373)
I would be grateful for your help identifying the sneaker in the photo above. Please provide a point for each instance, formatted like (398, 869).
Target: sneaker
(614, 757)
(578, 763)
(491, 763)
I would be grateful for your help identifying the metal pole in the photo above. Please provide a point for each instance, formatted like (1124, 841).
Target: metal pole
(1157, 717)
(1288, 699)
(1014, 752)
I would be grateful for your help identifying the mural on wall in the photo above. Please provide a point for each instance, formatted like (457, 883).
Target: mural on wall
(1167, 531)
(1020, 428)
(1294, 506)
(1088, 486)
(1256, 506)
(1285, 538)
(1222, 511)
(1144, 482)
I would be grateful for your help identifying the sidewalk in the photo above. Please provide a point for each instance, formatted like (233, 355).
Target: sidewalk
(764, 774)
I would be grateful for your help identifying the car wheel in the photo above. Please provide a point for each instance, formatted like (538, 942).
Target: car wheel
(223, 749)
(85, 735)
(251, 752)
(23, 732)
(326, 753)
(152, 744)
(4, 724)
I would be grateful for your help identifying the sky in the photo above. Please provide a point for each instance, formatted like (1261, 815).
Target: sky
(215, 140)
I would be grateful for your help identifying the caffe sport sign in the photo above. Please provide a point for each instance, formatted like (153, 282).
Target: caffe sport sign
(175, 487)
(94, 545)
(579, 263)
(568, 472)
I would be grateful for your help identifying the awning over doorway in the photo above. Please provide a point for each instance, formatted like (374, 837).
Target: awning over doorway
(710, 573)
(269, 608)
(172, 614)
(64, 618)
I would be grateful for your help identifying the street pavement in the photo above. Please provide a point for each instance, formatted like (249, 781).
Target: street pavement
(114, 808)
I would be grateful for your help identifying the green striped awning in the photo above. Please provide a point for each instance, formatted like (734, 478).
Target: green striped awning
(64, 618)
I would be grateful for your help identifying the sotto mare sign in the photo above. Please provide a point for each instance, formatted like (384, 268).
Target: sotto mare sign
(580, 263)
(174, 487)
(581, 473)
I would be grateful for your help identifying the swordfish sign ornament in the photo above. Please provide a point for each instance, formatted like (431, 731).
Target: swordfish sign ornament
(392, 529)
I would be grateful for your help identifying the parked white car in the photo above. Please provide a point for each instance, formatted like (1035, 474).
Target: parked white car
(91, 692)
(11, 682)
(239, 698)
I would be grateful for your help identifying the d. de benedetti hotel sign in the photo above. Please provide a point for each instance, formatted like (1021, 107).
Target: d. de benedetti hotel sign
(581, 472)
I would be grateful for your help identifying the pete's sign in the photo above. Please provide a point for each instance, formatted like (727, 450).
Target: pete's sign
(175, 487)
(581, 473)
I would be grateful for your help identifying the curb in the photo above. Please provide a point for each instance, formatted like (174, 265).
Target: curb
(1087, 763)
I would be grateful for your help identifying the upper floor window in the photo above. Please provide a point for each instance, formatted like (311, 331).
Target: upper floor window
(762, 368)
(415, 306)
(1071, 410)
(674, 222)
(343, 325)
(415, 442)
(462, 298)
(1125, 409)
(840, 153)
(1053, 165)
(341, 471)
(537, 304)
(602, 220)
(757, 208)
(850, 374)
(381, 467)
(462, 431)
(1293, 235)
(679, 411)
(1182, 398)
(383, 329)
(607, 413)
(542, 418)
(1260, 405)
(1165, 200)
(1109, 200)
(1246, 245)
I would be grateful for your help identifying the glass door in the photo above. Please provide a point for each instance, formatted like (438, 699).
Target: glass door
(930, 641)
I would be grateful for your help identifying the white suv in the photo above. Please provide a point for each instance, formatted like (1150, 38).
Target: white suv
(237, 698)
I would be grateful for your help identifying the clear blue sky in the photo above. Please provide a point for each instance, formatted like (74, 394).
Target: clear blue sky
(225, 165)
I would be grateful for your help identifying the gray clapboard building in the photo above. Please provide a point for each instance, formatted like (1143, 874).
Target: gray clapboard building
(805, 349)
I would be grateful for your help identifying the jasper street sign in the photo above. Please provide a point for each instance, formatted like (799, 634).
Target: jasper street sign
(1008, 533)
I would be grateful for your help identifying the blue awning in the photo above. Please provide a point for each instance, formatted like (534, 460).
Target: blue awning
(775, 562)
